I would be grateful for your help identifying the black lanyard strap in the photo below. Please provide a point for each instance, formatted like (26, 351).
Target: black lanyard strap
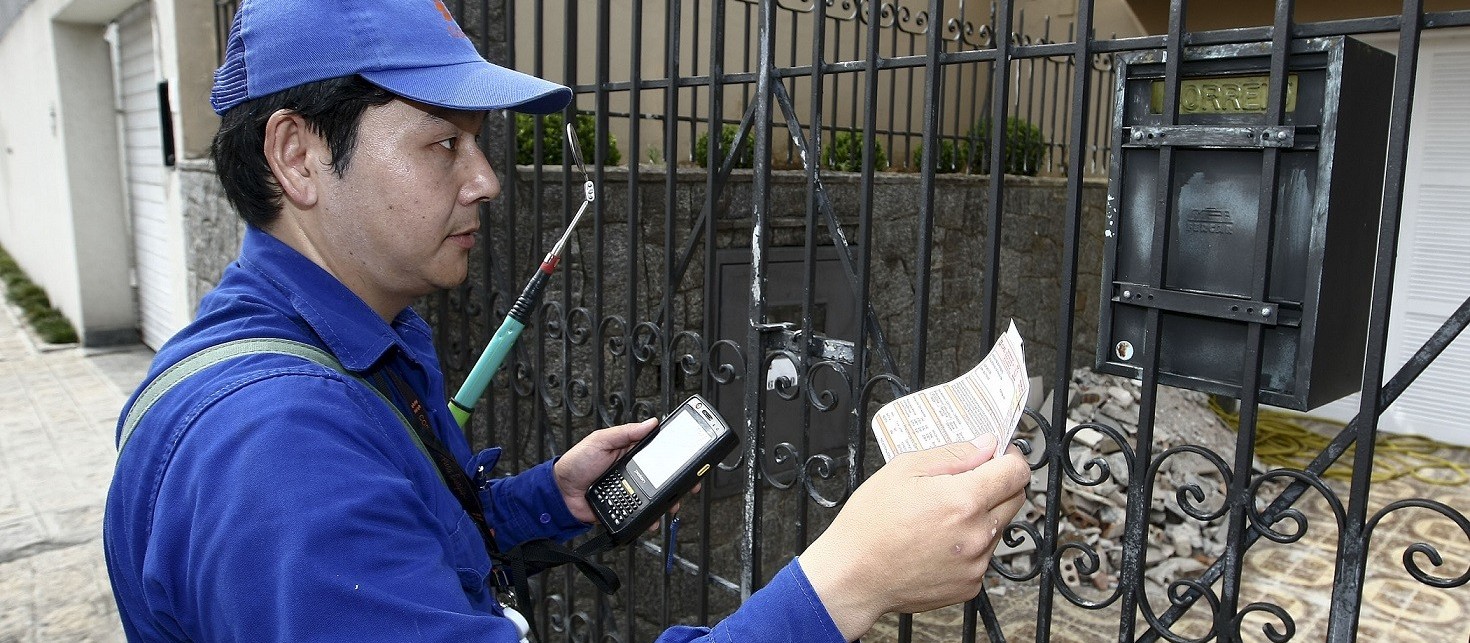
(525, 559)
(454, 476)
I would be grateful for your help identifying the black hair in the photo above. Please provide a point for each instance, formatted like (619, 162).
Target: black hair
(332, 109)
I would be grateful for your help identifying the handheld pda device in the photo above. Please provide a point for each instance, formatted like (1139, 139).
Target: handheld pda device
(650, 478)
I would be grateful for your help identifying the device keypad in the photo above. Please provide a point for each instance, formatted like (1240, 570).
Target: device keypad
(614, 495)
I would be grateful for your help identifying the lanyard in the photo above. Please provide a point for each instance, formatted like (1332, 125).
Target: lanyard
(510, 571)
(458, 481)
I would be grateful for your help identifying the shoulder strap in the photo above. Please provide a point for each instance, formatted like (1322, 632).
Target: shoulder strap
(205, 358)
(523, 560)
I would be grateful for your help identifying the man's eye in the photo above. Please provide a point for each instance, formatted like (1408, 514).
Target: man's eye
(448, 144)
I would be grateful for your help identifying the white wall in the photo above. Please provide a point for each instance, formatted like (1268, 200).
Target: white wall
(35, 216)
(63, 209)
(100, 299)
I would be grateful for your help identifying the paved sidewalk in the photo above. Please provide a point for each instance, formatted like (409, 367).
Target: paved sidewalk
(58, 409)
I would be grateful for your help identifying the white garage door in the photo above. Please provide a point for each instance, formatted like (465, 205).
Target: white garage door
(153, 242)
(1432, 275)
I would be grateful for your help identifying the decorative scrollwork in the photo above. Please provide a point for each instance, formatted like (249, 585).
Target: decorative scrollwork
(1266, 524)
(552, 321)
(865, 395)
(613, 330)
(1276, 636)
(889, 15)
(723, 372)
(1014, 535)
(551, 389)
(579, 398)
(1087, 562)
(648, 338)
(473, 302)
(1188, 494)
(612, 408)
(644, 409)
(523, 380)
(579, 326)
(1181, 593)
(825, 399)
(1036, 460)
(556, 612)
(825, 468)
(1411, 564)
(918, 25)
(783, 453)
(955, 30)
(1104, 472)
(985, 37)
(848, 9)
(691, 362)
(580, 624)
(785, 387)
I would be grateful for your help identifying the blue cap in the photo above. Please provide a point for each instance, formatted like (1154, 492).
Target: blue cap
(412, 48)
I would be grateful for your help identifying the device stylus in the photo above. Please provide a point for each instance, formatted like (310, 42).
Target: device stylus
(463, 403)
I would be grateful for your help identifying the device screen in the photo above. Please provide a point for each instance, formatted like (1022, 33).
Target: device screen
(681, 438)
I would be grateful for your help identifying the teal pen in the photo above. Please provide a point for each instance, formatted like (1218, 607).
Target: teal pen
(463, 403)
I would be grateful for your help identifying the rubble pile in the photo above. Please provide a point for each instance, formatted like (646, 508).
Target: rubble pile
(1179, 545)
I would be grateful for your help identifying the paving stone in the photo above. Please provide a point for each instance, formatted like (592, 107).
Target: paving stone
(58, 413)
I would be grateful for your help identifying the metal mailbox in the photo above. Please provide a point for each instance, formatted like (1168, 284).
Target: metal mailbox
(1323, 230)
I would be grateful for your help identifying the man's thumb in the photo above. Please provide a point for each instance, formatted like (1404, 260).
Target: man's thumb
(955, 458)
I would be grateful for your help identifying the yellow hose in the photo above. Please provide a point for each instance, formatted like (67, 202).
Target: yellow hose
(1282, 440)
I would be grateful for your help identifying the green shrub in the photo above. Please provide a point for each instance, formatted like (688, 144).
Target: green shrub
(48, 322)
(552, 137)
(27, 295)
(53, 327)
(845, 153)
(1025, 147)
(727, 141)
(947, 163)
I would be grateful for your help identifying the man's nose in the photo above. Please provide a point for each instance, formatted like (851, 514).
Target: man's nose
(482, 185)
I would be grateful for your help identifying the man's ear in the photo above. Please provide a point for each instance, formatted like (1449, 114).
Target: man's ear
(294, 154)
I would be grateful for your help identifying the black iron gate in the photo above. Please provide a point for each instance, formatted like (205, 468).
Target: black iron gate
(751, 244)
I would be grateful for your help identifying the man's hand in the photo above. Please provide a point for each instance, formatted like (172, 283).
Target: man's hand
(917, 535)
(580, 466)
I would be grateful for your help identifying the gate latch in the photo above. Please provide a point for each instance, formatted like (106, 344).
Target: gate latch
(786, 336)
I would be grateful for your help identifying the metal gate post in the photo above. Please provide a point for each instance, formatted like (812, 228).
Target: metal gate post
(750, 544)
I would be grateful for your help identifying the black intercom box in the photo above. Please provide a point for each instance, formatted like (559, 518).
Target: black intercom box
(1201, 271)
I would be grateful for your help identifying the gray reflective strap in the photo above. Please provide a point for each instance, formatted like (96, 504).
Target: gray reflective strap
(187, 367)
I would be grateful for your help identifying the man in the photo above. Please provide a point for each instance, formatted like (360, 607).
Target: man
(271, 498)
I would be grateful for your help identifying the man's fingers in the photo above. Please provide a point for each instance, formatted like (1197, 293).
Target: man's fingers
(625, 435)
(998, 480)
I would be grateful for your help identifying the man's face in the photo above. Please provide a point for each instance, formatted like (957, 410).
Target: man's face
(400, 222)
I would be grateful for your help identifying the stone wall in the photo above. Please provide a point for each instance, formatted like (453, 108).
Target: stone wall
(1031, 261)
(213, 231)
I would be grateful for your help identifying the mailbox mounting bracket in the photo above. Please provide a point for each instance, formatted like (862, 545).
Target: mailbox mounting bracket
(1243, 310)
(1204, 136)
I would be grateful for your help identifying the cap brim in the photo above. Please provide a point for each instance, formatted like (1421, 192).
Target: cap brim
(476, 85)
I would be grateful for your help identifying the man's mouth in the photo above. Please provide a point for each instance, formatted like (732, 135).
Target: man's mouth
(464, 240)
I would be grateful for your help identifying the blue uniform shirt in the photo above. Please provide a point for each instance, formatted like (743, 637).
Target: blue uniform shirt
(273, 499)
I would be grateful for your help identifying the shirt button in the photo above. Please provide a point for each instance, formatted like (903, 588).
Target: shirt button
(545, 519)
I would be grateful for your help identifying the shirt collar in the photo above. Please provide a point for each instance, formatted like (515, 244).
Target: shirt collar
(347, 326)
